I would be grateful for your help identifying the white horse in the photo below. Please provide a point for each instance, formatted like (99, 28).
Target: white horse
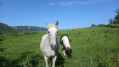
(65, 41)
(49, 44)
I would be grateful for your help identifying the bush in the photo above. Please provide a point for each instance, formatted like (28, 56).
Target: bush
(1, 37)
(93, 25)
(34, 33)
(27, 33)
(30, 33)
(101, 25)
(79, 33)
(14, 33)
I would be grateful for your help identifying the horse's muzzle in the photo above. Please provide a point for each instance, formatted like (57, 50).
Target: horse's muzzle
(69, 56)
(68, 52)
(53, 47)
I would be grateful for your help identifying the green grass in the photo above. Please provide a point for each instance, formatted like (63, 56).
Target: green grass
(92, 47)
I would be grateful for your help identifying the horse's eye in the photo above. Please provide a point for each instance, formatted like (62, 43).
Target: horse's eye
(57, 31)
(48, 31)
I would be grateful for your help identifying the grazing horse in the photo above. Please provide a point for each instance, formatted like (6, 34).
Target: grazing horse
(65, 41)
(49, 45)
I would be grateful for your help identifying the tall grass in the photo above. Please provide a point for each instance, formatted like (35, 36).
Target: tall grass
(92, 47)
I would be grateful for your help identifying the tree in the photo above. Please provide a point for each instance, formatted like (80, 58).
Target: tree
(93, 25)
(115, 21)
(117, 16)
(111, 21)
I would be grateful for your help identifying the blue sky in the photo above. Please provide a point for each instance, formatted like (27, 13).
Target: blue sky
(69, 13)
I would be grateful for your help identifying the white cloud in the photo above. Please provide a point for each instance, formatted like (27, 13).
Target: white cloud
(64, 3)
(76, 2)
(67, 3)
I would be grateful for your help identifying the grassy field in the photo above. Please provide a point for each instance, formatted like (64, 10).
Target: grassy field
(92, 47)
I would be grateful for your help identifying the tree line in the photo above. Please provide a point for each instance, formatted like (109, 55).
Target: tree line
(113, 23)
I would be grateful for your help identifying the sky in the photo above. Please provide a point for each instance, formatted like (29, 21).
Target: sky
(69, 13)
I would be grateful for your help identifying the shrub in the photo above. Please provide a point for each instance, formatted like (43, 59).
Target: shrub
(30, 33)
(14, 33)
(27, 33)
(93, 25)
(79, 33)
(1, 36)
(34, 33)
(105, 36)
(88, 39)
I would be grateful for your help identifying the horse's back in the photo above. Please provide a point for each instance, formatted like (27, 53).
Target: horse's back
(66, 41)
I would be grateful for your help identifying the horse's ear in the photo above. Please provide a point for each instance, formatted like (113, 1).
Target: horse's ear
(57, 23)
(61, 42)
(70, 40)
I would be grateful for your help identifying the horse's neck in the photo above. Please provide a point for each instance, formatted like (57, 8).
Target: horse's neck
(45, 39)
(66, 44)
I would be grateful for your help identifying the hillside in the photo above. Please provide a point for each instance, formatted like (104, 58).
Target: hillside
(4, 28)
(91, 47)
(29, 28)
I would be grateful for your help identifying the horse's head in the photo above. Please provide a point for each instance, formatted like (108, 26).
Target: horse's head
(65, 41)
(52, 34)
(68, 52)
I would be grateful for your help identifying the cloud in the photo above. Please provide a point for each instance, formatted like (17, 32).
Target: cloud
(62, 3)
(67, 3)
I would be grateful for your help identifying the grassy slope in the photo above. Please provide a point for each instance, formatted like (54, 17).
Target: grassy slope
(91, 47)
(5, 28)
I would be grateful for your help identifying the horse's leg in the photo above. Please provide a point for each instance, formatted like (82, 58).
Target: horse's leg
(46, 60)
(53, 61)
(64, 52)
